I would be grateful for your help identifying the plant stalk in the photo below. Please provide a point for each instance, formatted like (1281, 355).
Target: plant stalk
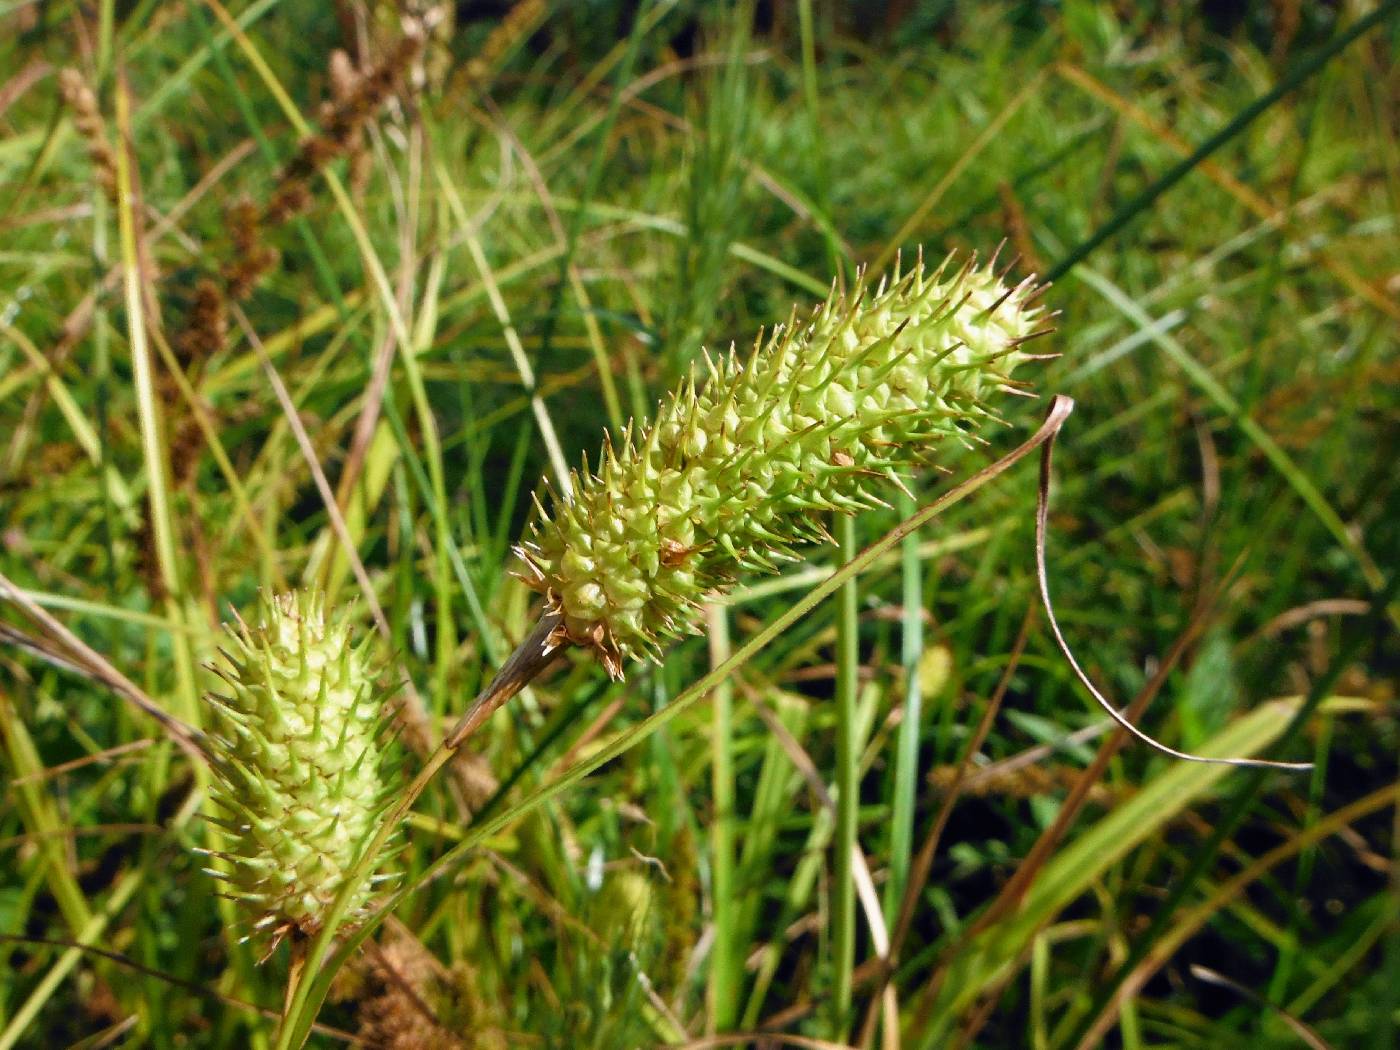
(844, 843)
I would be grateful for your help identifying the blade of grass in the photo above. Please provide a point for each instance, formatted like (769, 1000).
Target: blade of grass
(785, 740)
(713, 200)
(149, 414)
(725, 963)
(49, 600)
(1338, 967)
(271, 567)
(95, 927)
(418, 731)
(1253, 200)
(517, 350)
(818, 841)
(809, 61)
(324, 317)
(906, 763)
(417, 471)
(590, 188)
(772, 801)
(983, 961)
(84, 431)
(1188, 924)
(95, 665)
(923, 864)
(564, 113)
(180, 80)
(408, 345)
(102, 361)
(445, 634)
(795, 581)
(437, 499)
(589, 315)
(40, 816)
(368, 256)
(1392, 937)
(847, 783)
(254, 123)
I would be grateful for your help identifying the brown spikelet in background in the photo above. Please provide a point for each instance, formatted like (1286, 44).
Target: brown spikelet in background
(357, 100)
(1014, 219)
(476, 780)
(680, 908)
(1021, 782)
(87, 118)
(186, 445)
(356, 97)
(519, 22)
(407, 1000)
(206, 326)
(147, 561)
(250, 258)
(52, 459)
(345, 80)
(203, 335)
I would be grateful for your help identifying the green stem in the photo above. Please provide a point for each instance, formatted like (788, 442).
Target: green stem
(906, 768)
(724, 973)
(151, 424)
(843, 888)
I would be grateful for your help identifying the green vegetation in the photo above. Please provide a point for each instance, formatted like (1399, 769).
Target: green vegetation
(310, 297)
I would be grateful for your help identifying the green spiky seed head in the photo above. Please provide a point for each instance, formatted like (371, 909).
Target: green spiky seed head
(735, 475)
(299, 755)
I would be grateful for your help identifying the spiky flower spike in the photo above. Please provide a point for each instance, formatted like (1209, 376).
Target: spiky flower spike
(734, 476)
(299, 755)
